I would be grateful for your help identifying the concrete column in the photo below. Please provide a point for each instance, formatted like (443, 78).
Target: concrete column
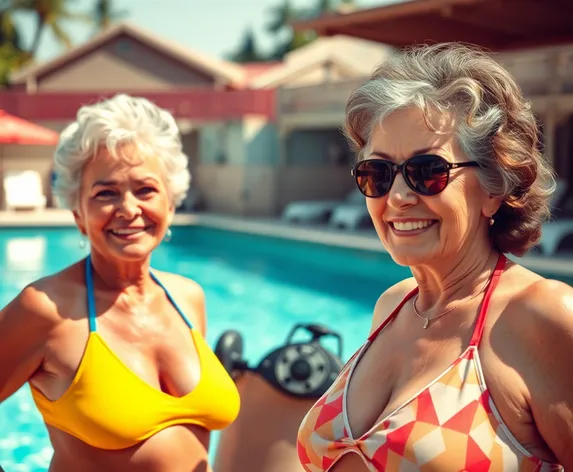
(280, 168)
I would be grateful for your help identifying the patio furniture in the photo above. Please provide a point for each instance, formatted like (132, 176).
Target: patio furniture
(318, 211)
(350, 216)
(23, 190)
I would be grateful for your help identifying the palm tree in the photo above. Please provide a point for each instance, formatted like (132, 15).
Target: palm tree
(279, 26)
(12, 55)
(105, 14)
(49, 14)
(285, 14)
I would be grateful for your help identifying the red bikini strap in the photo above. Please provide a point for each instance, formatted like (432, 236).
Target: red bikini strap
(478, 330)
(392, 315)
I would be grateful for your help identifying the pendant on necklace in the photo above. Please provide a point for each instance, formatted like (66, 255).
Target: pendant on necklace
(426, 322)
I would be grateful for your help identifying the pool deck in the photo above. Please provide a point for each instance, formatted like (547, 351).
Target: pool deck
(363, 239)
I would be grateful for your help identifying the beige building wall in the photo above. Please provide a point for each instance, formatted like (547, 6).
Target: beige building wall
(318, 74)
(261, 190)
(252, 181)
(221, 187)
(236, 167)
(314, 183)
(123, 64)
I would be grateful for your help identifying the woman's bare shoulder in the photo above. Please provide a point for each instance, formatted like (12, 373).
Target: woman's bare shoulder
(46, 295)
(530, 299)
(390, 299)
(26, 325)
(189, 293)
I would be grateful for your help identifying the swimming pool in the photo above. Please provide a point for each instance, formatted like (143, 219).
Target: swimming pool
(258, 285)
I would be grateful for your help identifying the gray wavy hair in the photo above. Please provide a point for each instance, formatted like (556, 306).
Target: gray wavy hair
(496, 128)
(112, 123)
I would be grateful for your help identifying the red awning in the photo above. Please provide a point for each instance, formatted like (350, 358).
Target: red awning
(14, 130)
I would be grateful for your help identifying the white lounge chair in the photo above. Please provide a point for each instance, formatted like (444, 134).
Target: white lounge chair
(316, 211)
(350, 216)
(23, 190)
(553, 235)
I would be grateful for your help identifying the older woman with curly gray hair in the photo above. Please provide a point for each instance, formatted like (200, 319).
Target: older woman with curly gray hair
(113, 351)
(467, 365)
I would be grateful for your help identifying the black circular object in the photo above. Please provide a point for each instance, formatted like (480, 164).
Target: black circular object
(300, 370)
(229, 350)
(304, 370)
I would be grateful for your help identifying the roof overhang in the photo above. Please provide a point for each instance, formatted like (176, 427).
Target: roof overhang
(226, 72)
(496, 25)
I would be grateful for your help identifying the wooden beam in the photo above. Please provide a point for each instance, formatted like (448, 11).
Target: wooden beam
(496, 22)
(542, 40)
(389, 12)
(562, 5)
(527, 14)
(422, 29)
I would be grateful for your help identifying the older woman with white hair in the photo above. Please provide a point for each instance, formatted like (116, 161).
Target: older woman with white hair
(113, 351)
(468, 363)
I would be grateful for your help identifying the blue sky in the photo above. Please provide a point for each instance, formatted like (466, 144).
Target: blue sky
(213, 27)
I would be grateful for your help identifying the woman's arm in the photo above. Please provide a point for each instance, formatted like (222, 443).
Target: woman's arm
(547, 320)
(25, 325)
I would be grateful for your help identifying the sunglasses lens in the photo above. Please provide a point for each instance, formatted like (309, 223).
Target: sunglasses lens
(427, 174)
(374, 178)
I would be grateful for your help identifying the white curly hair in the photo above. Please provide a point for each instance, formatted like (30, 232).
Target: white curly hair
(113, 123)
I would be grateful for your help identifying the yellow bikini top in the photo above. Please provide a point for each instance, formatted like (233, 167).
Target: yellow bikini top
(109, 407)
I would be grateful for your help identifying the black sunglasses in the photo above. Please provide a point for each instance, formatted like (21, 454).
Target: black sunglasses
(425, 174)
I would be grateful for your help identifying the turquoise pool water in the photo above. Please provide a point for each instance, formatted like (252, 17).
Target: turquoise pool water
(258, 285)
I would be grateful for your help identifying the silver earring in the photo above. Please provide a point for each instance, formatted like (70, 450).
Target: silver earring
(491, 221)
(168, 235)
(82, 241)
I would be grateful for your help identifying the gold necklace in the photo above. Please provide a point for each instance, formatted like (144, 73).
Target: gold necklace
(427, 320)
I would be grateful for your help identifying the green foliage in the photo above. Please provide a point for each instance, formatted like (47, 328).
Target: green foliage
(279, 26)
(247, 50)
(51, 15)
(12, 56)
(105, 14)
